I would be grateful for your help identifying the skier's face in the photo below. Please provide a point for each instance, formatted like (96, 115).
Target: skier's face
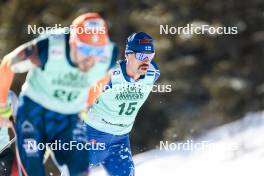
(138, 66)
(83, 62)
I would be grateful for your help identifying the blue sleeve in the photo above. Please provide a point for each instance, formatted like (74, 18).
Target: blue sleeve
(43, 47)
(157, 72)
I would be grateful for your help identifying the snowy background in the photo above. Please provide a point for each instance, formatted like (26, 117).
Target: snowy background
(236, 148)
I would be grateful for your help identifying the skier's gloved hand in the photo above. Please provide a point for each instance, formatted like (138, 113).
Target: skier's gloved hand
(6, 111)
(83, 115)
(5, 114)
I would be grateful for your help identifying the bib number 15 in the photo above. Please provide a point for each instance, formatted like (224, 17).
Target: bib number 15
(128, 110)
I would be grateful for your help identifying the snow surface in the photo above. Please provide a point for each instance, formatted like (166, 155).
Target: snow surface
(236, 149)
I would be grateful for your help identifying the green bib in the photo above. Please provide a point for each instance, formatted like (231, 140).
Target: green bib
(61, 87)
(116, 108)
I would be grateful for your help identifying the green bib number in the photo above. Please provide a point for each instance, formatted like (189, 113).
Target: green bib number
(130, 109)
(66, 96)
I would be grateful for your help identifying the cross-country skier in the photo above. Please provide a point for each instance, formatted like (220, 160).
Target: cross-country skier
(111, 117)
(62, 66)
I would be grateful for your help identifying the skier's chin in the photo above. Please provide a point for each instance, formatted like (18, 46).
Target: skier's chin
(84, 69)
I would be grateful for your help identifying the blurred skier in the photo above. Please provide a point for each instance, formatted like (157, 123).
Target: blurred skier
(62, 66)
(8, 164)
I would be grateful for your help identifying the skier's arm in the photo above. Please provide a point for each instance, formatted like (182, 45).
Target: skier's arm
(95, 91)
(20, 60)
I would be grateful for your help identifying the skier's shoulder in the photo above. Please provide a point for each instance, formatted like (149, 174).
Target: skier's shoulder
(153, 70)
(116, 69)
